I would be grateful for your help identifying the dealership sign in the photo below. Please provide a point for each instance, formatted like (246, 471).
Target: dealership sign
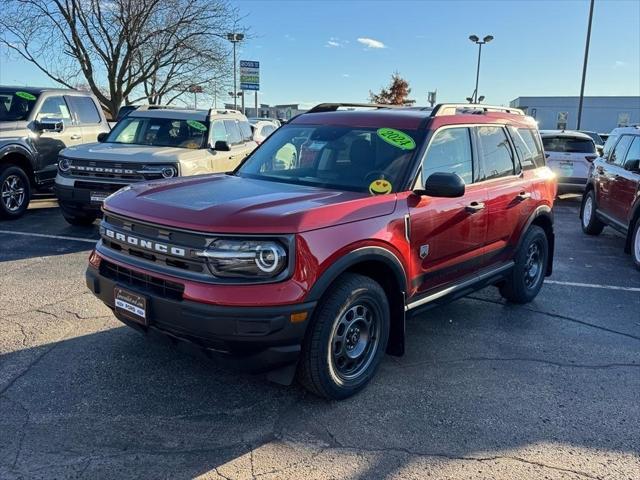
(249, 75)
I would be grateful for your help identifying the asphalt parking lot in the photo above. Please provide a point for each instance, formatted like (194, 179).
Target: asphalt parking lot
(486, 390)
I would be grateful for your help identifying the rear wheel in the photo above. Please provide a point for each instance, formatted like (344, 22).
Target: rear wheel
(15, 192)
(525, 280)
(347, 339)
(590, 223)
(635, 244)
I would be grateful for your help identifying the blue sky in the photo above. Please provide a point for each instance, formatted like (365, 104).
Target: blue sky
(309, 50)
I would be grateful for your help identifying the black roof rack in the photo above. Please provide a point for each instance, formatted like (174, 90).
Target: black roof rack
(471, 108)
(332, 107)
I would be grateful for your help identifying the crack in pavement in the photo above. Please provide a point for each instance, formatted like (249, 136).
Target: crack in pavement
(39, 308)
(518, 359)
(559, 316)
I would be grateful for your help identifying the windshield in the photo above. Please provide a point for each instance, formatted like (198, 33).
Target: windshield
(346, 158)
(568, 145)
(159, 132)
(16, 104)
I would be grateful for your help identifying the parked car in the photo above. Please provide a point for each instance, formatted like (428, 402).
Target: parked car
(604, 137)
(262, 129)
(313, 268)
(569, 154)
(612, 196)
(147, 144)
(253, 120)
(35, 124)
(597, 139)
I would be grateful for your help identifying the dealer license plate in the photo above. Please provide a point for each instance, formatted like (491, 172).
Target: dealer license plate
(98, 197)
(130, 305)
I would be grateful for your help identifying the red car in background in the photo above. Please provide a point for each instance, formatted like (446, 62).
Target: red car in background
(309, 267)
(612, 195)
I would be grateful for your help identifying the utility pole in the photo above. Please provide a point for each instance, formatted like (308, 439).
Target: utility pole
(584, 67)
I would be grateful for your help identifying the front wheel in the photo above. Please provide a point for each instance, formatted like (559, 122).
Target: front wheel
(347, 338)
(590, 223)
(15, 192)
(525, 280)
(77, 217)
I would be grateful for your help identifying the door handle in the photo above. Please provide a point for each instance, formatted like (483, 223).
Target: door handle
(523, 196)
(474, 207)
(75, 137)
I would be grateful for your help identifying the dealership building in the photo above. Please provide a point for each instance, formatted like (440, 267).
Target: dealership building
(599, 114)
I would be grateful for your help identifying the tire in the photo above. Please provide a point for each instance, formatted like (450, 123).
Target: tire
(526, 278)
(635, 244)
(15, 192)
(337, 358)
(83, 220)
(590, 223)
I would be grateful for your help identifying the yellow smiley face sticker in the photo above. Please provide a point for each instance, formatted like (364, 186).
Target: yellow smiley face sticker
(380, 187)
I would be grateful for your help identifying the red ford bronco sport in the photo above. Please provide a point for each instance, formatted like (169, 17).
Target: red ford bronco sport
(307, 258)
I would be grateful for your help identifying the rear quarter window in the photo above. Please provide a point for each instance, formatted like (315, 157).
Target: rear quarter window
(528, 146)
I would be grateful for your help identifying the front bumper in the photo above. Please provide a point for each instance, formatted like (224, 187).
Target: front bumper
(75, 194)
(252, 339)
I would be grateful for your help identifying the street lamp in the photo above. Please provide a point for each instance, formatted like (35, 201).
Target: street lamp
(475, 39)
(235, 38)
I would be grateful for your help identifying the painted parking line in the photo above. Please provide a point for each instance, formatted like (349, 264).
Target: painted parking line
(55, 237)
(593, 285)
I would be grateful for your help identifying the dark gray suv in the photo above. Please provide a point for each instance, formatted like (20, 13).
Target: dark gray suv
(35, 124)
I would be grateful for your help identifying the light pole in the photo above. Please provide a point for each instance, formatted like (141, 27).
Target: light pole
(475, 39)
(584, 66)
(235, 38)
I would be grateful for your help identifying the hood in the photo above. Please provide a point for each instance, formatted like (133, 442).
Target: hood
(119, 153)
(231, 204)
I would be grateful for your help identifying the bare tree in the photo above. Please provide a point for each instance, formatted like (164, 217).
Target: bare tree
(123, 50)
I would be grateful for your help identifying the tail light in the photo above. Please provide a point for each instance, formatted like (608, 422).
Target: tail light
(590, 158)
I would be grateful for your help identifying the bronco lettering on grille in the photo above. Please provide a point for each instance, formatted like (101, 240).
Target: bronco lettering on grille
(145, 244)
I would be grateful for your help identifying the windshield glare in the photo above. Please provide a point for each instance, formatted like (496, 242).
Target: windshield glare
(344, 158)
(16, 105)
(159, 132)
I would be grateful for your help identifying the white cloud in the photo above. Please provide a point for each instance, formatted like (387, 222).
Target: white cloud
(371, 43)
(334, 42)
(619, 64)
(346, 75)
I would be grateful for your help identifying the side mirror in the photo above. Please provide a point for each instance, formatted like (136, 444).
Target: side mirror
(102, 136)
(222, 146)
(632, 165)
(50, 125)
(440, 184)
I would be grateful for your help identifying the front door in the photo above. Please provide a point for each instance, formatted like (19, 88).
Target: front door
(49, 144)
(608, 173)
(447, 234)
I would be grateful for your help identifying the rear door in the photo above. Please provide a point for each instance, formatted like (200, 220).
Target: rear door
(86, 114)
(624, 183)
(608, 173)
(447, 234)
(509, 203)
(569, 157)
(49, 144)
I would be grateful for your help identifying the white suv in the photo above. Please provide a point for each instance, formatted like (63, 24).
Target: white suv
(149, 144)
(570, 155)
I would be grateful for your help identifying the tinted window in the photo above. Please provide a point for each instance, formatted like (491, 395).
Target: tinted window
(84, 108)
(16, 104)
(449, 151)
(617, 156)
(218, 132)
(234, 136)
(245, 129)
(497, 158)
(568, 144)
(54, 107)
(634, 152)
(528, 146)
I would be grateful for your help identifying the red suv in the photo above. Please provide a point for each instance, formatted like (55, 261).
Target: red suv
(612, 195)
(307, 258)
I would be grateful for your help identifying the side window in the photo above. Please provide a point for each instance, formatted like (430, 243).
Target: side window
(268, 130)
(497, 158)
(218, 132)
(245, 129)
(618, 153)
(54, 107)
(528, 146)
(234, 136)
(608, 146)
(633, 155)
(84, 109)
(450, 152)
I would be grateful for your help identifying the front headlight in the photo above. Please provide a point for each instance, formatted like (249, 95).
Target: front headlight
(245, 258)
(64, 164)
